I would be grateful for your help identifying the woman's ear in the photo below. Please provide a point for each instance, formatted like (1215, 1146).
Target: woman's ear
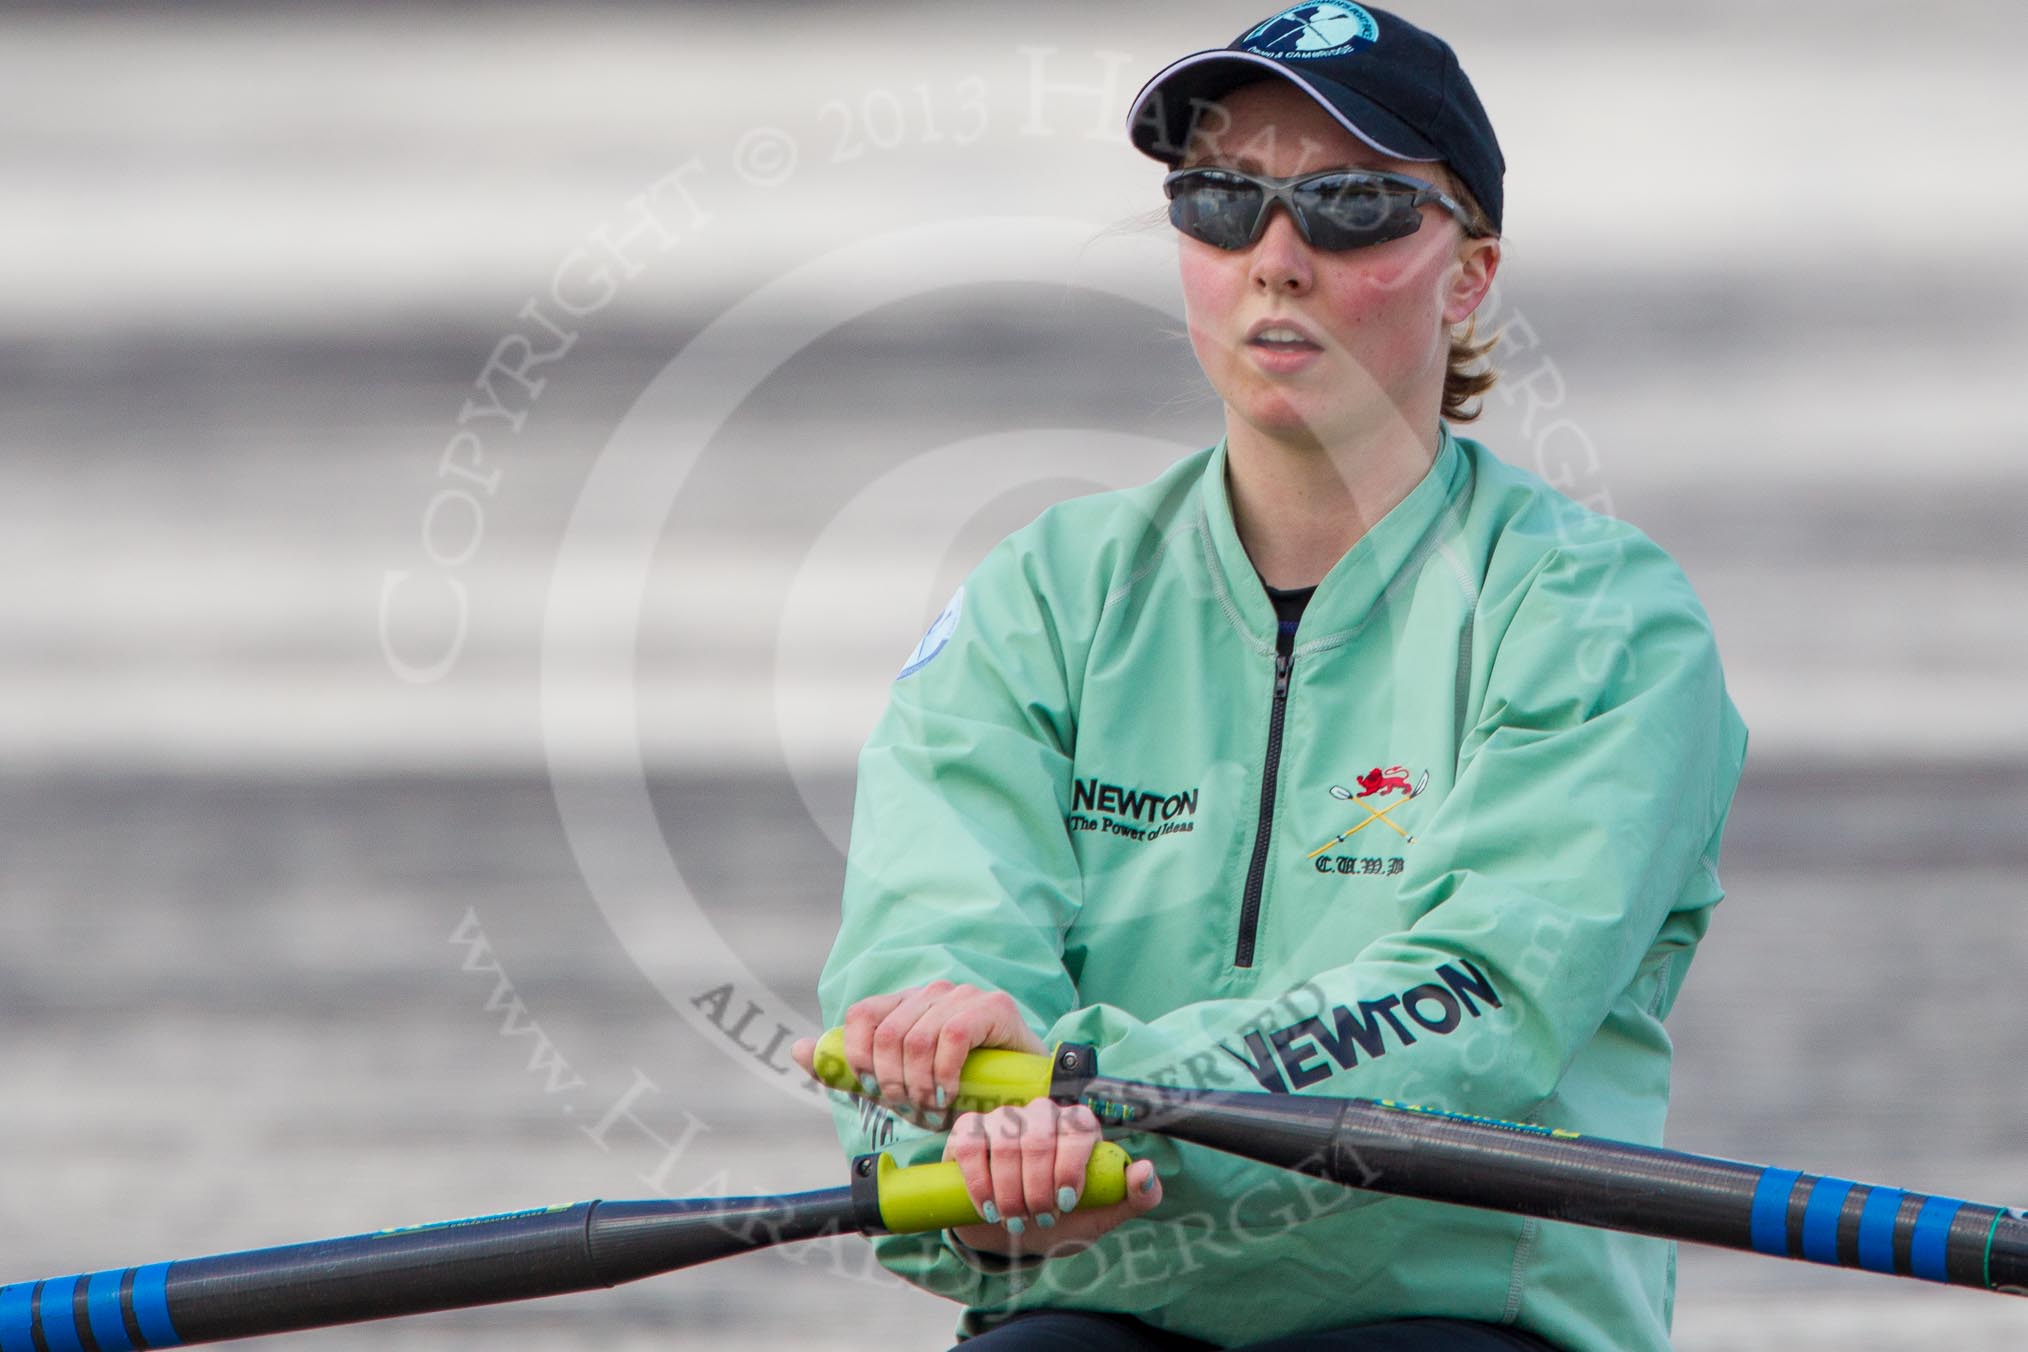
(1478, 263)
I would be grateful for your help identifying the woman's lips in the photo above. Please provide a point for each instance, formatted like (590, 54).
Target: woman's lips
(1279, 335)
(1280, 347)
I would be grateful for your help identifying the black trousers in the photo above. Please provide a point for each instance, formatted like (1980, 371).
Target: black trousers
(1076, 1331)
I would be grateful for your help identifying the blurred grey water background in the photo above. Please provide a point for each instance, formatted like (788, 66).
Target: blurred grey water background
(1764, 300)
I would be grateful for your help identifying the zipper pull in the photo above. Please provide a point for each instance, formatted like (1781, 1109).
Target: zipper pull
(1283, 661)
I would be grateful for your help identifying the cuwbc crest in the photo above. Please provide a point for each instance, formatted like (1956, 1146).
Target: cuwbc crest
(1391, 780)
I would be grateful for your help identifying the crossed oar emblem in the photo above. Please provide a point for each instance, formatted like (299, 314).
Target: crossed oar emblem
(1341, 792)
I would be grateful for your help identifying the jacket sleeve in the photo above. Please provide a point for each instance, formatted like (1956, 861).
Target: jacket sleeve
(959, 865)
(1574, 852)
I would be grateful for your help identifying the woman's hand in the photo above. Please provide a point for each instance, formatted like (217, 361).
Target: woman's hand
(908, 1047)
(1024, 1167)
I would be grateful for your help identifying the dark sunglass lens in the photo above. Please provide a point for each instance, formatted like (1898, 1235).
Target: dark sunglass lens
(1351, 213)
(1214, 208)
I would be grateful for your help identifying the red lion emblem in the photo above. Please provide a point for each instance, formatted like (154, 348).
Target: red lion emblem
(1383, 782)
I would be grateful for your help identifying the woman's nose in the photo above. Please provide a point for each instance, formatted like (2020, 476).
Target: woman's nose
(1281, 258)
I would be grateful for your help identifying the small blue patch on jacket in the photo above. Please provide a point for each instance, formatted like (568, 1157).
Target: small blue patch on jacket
(936, 638)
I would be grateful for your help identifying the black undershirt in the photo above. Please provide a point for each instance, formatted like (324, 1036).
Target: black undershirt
(1289, 609)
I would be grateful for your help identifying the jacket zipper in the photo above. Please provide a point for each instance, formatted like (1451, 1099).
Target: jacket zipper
(1256, 871)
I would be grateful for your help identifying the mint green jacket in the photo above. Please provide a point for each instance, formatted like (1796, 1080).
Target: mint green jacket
(1457, 850)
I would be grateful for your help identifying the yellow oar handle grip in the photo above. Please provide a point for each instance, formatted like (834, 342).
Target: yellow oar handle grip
(933, 1196)
(991, 1078)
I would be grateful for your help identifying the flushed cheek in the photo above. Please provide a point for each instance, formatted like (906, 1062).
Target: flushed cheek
(1409, 282)
(1211, 311)
(1396, 309)
(1213, 291)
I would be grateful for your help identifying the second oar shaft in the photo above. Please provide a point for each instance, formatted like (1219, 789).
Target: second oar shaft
(1533, 1171)
(1529, 1170)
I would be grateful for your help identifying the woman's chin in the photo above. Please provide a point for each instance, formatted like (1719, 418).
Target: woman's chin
(1290, 422)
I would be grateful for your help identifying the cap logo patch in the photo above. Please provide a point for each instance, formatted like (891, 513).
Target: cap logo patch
(1310, 31)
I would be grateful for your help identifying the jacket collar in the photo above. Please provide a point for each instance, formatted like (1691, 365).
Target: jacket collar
(1356, 585)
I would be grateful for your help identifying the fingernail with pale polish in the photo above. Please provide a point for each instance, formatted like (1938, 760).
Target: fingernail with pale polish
(943, 1099)
(1066, 1198)
(990, 1213)
(1148, 1183)
(1047, 1220)
(870, 1085)
(1015, 1225)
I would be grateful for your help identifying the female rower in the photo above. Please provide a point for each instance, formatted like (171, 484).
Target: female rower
(1342, 759)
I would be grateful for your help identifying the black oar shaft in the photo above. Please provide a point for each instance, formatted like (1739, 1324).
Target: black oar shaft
(1528, 1170)
(1533, 1171)
(446, 1266)
(454, 1264)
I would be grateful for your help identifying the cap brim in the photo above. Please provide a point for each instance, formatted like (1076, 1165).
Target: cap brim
(1162, 131)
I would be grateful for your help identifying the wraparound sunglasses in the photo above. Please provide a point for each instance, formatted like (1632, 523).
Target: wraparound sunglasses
(1335, 210)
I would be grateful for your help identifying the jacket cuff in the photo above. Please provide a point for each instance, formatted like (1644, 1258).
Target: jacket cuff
(991, 1264)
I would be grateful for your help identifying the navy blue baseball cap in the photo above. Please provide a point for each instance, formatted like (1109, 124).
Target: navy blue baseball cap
(1394, 86)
